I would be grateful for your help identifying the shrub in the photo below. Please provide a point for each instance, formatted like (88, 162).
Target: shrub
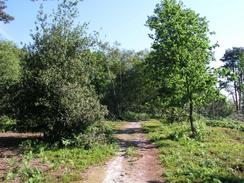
(98, 133)
(56, 96)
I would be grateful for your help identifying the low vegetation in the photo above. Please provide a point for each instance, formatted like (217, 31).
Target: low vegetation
(57, 165)
(135, 116)
(215, 156)
(226, 123)
(7, 124)
(43, 162)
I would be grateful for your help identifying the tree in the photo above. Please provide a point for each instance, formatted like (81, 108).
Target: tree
(10, 72)
(232, 75)
(119, 79)
(56, 96)
(180, 55)
(4, 17)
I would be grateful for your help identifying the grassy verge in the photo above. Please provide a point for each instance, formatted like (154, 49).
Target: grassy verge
(217, 155)
(42, 163)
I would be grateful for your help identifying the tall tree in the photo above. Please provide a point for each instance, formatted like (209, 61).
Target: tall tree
(232, 75)
(180, 55)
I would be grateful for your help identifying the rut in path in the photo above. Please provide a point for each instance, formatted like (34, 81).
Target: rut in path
(144, 167)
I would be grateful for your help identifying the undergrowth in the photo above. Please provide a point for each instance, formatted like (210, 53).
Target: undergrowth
(226, 123)
(7, 124)
(43, 162)
(216, 155)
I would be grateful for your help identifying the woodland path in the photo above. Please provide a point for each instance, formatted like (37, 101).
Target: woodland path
(142, 167)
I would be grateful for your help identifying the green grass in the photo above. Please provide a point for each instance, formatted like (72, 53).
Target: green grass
(44, 163)
(74, 161)
(217, 155)
(131, 151)
(64, 165)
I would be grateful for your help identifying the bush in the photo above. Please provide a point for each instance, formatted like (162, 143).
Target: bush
(98, 133)
(175, 114)
(133, 116)
(56, 96)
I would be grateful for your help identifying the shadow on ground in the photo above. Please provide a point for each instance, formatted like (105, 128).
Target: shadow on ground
(11, 140)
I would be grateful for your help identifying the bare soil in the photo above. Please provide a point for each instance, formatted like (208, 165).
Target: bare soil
(9, 143)
(144, 167)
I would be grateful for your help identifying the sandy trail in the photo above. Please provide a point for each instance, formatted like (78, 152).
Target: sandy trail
(144, 167)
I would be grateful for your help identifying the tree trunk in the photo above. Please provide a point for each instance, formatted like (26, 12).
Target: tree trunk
(239, 93)
(236, 97)
(193, 129)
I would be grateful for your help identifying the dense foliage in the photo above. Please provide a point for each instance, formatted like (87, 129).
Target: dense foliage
(232, 76)
(56, 96)
(180, 56)
(10, 73)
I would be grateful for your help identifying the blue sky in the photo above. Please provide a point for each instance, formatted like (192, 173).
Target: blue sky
(124, 20)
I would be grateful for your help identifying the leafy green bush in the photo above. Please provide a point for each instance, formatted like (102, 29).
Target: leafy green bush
(98, 133)
(56, 96)
(133, 116)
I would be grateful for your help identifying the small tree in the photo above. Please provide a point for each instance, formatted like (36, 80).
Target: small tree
(180, 55)
(56, 96)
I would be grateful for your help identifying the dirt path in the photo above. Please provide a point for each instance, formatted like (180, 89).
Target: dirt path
(141, 167)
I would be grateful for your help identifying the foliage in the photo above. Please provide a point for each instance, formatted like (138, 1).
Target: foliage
(45, 162)
(133, 116)
(67, 162)
(7, 124)
(131, 152)
(232, 75)
(226, 123)
(217, 157)
(219, 107)
(25, 172)
(56, 96)
(124, 79)
(180, 54)
(4, 17)
(98, 133)
(10, 72)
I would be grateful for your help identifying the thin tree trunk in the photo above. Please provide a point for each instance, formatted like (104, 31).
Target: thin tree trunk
(236, 97)
(193, 129)
(239, 93)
